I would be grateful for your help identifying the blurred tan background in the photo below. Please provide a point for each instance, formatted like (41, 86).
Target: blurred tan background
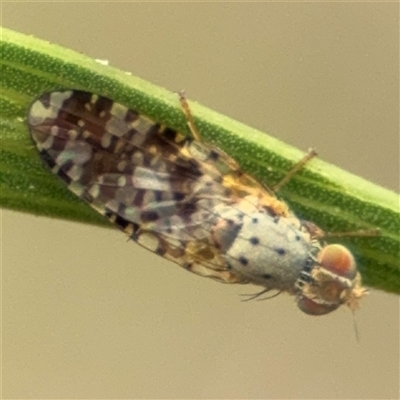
(88, 315)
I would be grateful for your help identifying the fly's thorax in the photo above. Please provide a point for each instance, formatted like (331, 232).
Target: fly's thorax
(333, 280)
(267, 250)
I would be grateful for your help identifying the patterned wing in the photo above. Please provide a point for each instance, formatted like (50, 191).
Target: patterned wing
(164, 190)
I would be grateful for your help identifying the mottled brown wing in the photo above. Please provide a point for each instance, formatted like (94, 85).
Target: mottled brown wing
(161, 188)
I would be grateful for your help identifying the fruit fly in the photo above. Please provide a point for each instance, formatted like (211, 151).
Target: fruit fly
(188, 201)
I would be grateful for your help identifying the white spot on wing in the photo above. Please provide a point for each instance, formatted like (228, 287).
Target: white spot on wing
(106, 140)
(149, 241)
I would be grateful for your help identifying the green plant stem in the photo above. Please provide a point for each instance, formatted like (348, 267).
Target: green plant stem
(330, 197)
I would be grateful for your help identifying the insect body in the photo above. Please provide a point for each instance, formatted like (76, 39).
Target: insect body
(188, 201)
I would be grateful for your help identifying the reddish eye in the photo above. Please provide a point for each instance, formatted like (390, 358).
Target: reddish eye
(338, 260)
(310, 307)
(335, 277)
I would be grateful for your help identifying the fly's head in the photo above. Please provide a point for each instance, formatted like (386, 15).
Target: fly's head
(330, 280)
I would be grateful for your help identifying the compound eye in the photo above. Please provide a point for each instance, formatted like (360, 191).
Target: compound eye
(328, 292)
(338, 260)
(311, 307)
